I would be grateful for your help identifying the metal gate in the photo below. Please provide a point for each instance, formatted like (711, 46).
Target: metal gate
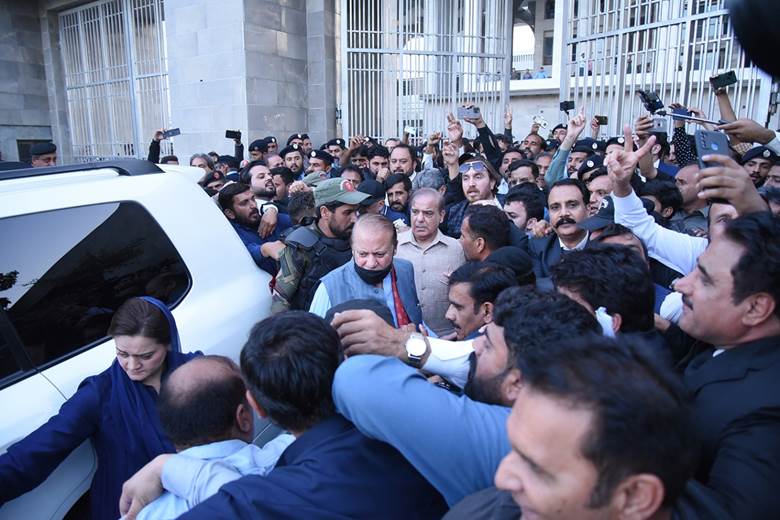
(406, 63)
(116, 80)
(673, 47)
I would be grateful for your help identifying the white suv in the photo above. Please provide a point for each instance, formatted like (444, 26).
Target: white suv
(79, 240)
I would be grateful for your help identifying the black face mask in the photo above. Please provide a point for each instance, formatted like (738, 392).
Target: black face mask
(372, 277)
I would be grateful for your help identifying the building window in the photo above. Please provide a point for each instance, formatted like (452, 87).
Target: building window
(547, 56)
(116, 77)
(532, 53)
(549, 9)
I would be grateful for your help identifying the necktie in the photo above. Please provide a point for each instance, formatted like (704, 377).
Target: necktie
(400, 312)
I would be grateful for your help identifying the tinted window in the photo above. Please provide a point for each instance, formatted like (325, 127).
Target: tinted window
(75, 267)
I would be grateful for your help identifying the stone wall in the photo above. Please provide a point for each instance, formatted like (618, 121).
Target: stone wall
(24, 104)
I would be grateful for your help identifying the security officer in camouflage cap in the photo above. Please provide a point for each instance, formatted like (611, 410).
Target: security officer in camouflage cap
(315, 250)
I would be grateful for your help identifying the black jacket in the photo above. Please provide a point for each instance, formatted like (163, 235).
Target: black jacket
(736, 416)
(545, 253)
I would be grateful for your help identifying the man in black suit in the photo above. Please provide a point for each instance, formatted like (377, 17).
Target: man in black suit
(732, 300)
(567, 203)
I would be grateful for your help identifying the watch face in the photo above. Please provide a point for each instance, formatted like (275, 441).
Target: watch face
(415, 346)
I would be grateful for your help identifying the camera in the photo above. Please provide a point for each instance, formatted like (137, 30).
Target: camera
(650, 100)
(567, 105)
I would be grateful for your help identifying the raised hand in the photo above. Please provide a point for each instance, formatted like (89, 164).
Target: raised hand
(594, 127)
(622, 163)
(476, 121)
(454, 129)
(727, 180)
(748, 131)
(508, 117)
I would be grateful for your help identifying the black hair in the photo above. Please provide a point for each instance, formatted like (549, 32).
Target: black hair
(137, 317)
(613, 277)
(353, 168)
(404, 146)
(542, 143)
(244, 175)
(300, 206)
(662, 140)
(574, 182)
(489, 223)
(395, 178)
(532, 319)
(772, 195)
(598, 172)
(667, 193)
(193, 415)
(288, 177)
(169, 158)
(614, 229)
(486, 280)
(362, 151)
(519, 163)
(641, 416)
(513, 149)
(531, 197)
(289, 362)
(228, 193)
(378, 151)
(758, 269)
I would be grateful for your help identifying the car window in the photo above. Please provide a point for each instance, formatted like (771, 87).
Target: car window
(66, 271)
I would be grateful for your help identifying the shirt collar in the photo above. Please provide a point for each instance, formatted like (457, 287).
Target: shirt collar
(410, 239)
(579, 246)
(215, 450)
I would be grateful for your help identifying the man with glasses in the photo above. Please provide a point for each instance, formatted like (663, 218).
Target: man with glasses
(479, 181)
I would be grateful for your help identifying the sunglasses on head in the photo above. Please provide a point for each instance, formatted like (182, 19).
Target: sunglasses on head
(477, 166)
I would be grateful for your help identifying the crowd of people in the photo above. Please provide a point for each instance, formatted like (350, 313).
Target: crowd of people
(555, 325)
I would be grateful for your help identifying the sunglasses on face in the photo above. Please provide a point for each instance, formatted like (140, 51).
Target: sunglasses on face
(476, 166)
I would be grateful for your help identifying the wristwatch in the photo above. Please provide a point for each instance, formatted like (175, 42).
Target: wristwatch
(416, 347)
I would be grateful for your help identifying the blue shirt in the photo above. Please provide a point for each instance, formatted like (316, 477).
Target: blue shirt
(92, 414)
(320, 304)
(245, 459)
(661, 293)
(253, 242)
(332, 471)
(455, 442)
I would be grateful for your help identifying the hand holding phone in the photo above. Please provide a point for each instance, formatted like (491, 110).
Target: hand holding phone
(567, 105)
(232, 134)
(602, 120)
(710, 143)
(723, 80)
(468, 112)
(170, 133)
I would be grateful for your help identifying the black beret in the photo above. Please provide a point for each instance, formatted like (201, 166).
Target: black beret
(593, 162)
(290, 148)
(42, 148)
(322, 155)
(269, 139)
(259, 145)
(759, 152)
(297, 136)
(336, 142)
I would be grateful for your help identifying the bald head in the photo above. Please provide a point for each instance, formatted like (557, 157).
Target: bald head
(201, 402)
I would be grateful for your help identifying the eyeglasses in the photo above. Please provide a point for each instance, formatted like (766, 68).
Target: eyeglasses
(477, 166)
